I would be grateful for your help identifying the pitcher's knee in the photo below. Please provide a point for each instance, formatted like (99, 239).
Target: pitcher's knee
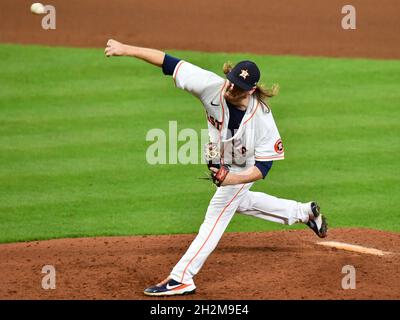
(244, 205)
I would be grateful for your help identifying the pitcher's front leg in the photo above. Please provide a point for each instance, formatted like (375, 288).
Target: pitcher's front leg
(219, 213)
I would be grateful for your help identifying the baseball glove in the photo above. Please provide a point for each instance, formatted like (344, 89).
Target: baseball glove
(219, 176)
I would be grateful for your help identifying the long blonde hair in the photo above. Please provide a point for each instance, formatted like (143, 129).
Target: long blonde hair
(262, 92)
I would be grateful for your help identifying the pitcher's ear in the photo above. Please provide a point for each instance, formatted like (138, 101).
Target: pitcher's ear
(252, 90)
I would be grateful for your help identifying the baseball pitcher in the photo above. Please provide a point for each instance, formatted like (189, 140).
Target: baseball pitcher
(244, 143)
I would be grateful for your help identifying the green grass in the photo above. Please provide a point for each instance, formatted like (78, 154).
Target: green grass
(72, 143)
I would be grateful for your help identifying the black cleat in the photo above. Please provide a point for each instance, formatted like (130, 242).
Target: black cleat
(170, 287)
(315, 209)
(318, 222)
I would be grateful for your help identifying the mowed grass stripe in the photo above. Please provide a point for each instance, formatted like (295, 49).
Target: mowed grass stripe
(72, 143)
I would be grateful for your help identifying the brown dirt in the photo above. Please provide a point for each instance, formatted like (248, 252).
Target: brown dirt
(308, 27)
(261, 265)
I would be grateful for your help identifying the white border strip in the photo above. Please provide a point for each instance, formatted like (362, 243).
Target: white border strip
(353, 248)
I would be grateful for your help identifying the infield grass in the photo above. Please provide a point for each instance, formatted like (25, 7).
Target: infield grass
(72, 143)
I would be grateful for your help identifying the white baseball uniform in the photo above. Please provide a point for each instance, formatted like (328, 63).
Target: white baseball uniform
(256, 139)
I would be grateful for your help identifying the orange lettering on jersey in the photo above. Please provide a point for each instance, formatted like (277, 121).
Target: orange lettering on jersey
(217, 124)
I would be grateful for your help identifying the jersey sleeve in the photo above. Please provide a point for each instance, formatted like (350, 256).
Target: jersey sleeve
(169, 64)
(269, 146)
(264, 167)
(194, 79)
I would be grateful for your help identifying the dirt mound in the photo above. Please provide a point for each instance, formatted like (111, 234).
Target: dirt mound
(310, 27)
(261, 265)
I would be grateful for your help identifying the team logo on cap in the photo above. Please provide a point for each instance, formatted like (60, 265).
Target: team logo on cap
(244, 74)
(278, 146)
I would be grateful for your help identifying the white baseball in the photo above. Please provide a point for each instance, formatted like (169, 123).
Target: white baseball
(38, 8)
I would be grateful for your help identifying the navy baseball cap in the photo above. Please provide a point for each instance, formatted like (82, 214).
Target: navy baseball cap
(245, 75)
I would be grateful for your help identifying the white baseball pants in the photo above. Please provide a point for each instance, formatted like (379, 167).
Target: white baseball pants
(226, 201)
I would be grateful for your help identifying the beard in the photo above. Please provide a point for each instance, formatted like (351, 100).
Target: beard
(235, 95)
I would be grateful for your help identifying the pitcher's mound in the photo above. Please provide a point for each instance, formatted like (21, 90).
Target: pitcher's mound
(260, 265)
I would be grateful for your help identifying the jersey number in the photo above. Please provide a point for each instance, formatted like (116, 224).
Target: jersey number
(238, 159)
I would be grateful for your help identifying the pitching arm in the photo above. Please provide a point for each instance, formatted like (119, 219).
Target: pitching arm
(153, 56)
(190, 77)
